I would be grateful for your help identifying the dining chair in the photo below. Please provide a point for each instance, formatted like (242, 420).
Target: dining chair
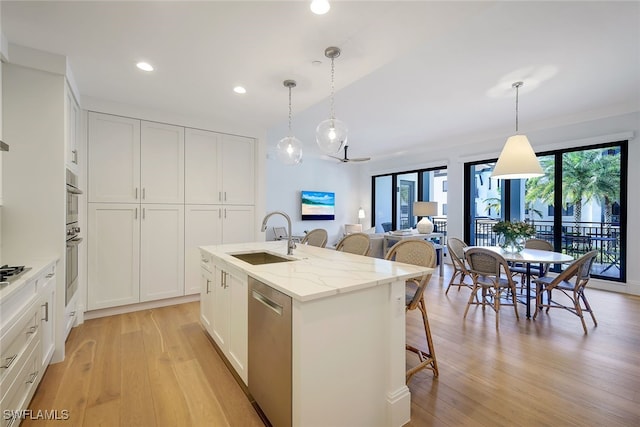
(354, 243)
(316, 237)
(535, 269)
(417, 252)
(580, 272)
(487, 269)
(455, 248)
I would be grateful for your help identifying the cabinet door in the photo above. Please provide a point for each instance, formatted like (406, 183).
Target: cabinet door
(114, 255)
(162, 163)
(206, 299)
(161, 252)
(238, 176)
(114, 158)
(238, 325)
(47, 316)
(202, 227)
(220, 319)
(203, 173)
(71, 131)
(238, 224)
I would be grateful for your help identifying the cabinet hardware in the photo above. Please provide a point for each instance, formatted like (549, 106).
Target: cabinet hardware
(50, 275)
(32, 330)
(46, 311)
(9, 361)
(225, 196)
(72, 314)
(208, 281)
(225, 213)
(205, 260)
(75, 156)
(144, 193)
(219, 213)
(34, 375)
(136, 193)
(136, 215)
(144, 213)
(219, 196)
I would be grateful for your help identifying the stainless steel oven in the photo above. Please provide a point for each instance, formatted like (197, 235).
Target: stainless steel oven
(73, 238)
(72, 197)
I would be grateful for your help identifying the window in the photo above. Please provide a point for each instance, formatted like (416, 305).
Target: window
(394, 194)
(578, 205)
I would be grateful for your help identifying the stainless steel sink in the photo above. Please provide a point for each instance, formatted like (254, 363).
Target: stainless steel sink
(259, 258)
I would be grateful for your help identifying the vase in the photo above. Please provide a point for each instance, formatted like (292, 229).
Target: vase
(511, 244)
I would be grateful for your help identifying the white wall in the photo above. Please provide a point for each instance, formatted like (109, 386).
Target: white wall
(284, 183)
(455, 152)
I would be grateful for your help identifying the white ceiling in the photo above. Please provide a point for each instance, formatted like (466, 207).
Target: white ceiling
(411, 72)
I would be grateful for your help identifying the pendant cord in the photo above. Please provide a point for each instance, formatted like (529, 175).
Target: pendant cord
(517, 87)
(332, 88)
(290, 132)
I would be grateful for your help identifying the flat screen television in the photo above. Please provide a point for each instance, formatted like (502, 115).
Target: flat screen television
(318, 205)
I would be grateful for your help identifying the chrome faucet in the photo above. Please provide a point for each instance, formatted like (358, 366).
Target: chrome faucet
(290, 243)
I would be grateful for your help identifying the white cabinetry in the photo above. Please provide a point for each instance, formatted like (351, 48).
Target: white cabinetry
(162, 163)
(213, 225)
(161, 252)
(27, 337)
(219, 168)
(71, 129)
(223, 312)
(114, 255)
(136, 253)
(114, 159)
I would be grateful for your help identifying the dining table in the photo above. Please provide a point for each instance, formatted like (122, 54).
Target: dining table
(528, 257)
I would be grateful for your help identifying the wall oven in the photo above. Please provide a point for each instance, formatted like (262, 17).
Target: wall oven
(73, 238)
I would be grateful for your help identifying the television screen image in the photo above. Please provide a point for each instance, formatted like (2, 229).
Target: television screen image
(318, 205)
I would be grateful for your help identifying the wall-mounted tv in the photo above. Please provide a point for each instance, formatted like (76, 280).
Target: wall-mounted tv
(318, 205)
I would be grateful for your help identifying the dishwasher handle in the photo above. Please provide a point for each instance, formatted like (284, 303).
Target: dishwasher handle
(277, 308)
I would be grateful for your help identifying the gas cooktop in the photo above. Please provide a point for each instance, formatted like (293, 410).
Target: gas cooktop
(9, 274)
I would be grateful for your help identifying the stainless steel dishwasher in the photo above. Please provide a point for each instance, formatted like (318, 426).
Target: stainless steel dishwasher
(270, 352)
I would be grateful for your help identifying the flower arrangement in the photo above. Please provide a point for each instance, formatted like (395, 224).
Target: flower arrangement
(513, 234)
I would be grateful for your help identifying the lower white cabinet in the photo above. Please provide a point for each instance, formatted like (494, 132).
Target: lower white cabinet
(136, 253)
(213, 225)
(27, 339)
(223, 312)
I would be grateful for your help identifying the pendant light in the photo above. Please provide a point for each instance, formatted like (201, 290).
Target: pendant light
(331, 134)
(290, 147)
(320, 7)
(517, 159)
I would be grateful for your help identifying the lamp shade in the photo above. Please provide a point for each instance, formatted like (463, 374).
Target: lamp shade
(517, 160)
(425, 208)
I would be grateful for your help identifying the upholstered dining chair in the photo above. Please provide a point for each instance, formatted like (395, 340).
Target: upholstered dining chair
(535, 269)
(354, 243)
(455, 248)
(316, 237)
(487, 269)
(417, 252)
(579, 271)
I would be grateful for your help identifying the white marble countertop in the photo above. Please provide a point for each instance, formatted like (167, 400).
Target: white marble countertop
(315, 272)
(37, 265)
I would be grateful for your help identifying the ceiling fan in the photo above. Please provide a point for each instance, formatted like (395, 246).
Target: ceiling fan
(345, 159)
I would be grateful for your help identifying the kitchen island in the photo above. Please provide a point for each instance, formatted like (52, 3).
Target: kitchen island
(347, 328)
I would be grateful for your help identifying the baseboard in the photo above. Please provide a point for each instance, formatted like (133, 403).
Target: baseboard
(103, 312)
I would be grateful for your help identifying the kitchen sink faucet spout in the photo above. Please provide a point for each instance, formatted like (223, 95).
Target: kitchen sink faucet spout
(290, 243)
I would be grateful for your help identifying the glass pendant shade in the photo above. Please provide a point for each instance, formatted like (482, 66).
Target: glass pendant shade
(290, 150)
(517, 160)
(320, 7)
(331, 135)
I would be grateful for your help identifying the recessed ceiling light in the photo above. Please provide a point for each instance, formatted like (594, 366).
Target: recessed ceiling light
(320, 7)
(144, 66)
(239, 89)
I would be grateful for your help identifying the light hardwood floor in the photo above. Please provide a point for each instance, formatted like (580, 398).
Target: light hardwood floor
(157, 368)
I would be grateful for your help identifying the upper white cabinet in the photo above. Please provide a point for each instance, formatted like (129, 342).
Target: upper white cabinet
(71, 129)
(219, 168)
(114, 159)
(162, 163)
(133, 161)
